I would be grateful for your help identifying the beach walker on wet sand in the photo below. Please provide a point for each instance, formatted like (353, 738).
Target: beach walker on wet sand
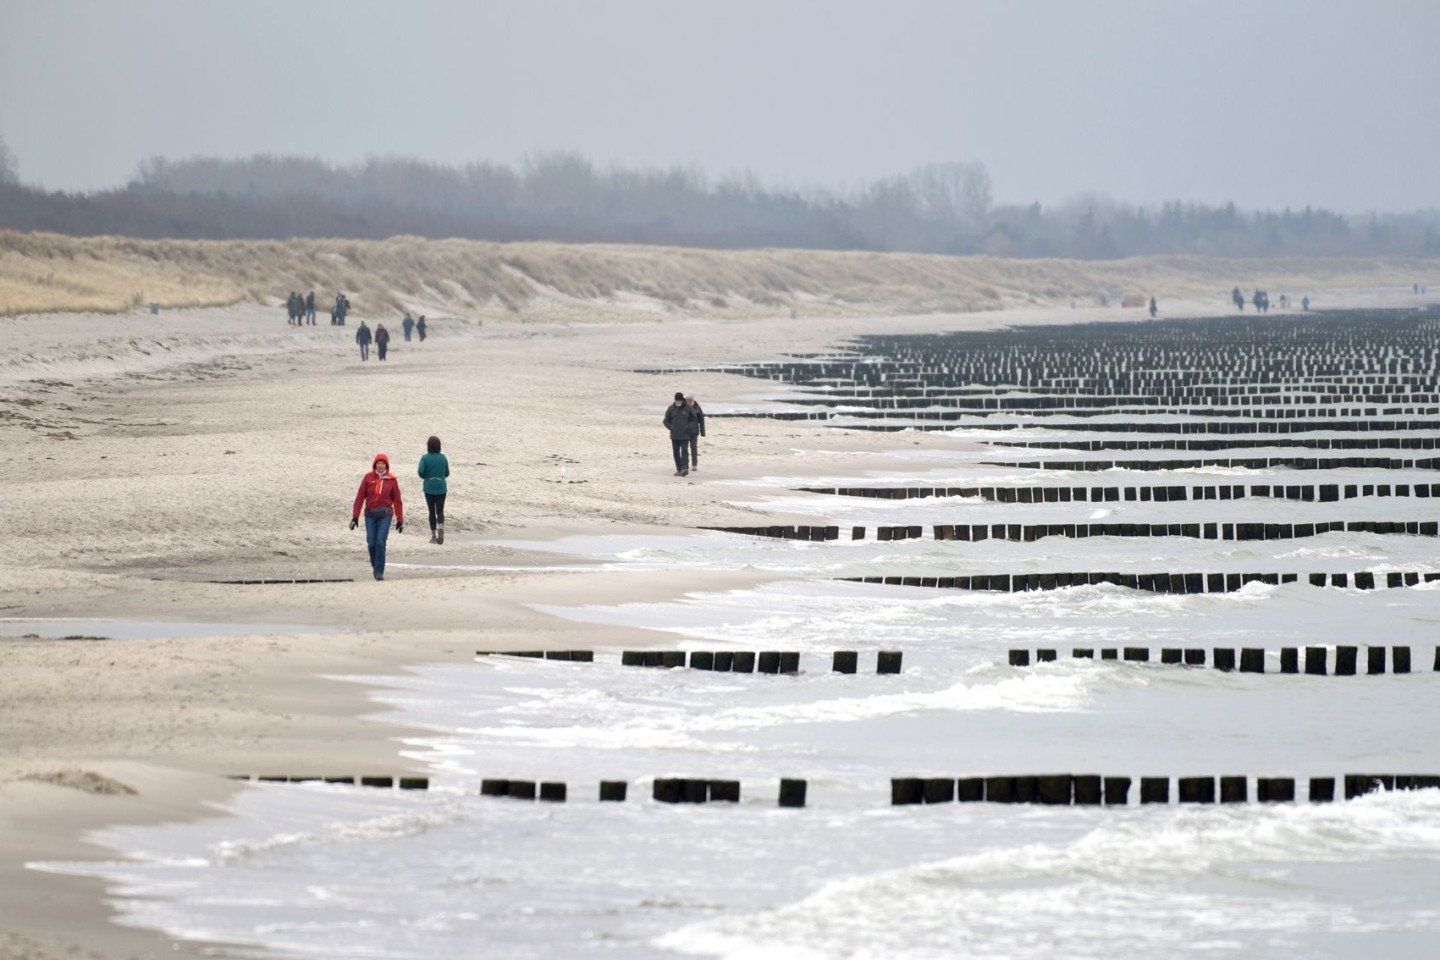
(379, 498)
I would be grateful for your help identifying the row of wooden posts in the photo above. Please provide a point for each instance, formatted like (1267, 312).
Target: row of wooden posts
(1205, 463)
(1064, 789)
(748, 661)
(1190, 583)
(1054, 789)
(1250, 660)
(720, 661)
(1308, 492)
(665, 790)
(1031, 532)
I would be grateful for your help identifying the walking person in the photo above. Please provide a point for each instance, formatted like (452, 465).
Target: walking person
(310, 307)
(434, 469)
(362, 337)
(420, 327)
(406, 326)
(379, 498)
(697, 429)
(382, 339)
(677, 421)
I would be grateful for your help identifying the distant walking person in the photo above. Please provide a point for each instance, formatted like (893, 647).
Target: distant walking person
(1154, 308)
(342, 307)
(406, 326)
(697, 429)
(434, 469)
(310, 307)
(677, 421)
(379, 498)
(420, 327)
(362, 337)
(382, 339)
(1238, 299)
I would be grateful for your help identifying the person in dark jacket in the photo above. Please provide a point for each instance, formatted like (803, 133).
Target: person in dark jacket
(362, 337)
(382, 339)
(310, 307)
(697, 429)
(406, 326)
(379, 497)
(434, 469)
(677, 421)
(420, 327)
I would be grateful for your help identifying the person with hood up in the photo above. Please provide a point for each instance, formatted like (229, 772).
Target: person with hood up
(379, 497)
(678, 420)
(382, 339)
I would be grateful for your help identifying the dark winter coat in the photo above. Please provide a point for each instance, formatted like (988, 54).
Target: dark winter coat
(697, 420)
(678, 420)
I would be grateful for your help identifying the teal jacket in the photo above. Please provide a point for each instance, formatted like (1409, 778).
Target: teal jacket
(434, 468)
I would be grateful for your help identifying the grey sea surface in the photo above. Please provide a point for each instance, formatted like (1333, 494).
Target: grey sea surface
(333, 871)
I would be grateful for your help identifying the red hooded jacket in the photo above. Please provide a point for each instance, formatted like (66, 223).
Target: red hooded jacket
(377, 493)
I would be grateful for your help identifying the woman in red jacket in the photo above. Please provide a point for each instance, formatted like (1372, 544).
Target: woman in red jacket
(379, 497)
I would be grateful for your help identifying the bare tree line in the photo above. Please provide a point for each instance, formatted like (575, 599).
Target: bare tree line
(939, 208)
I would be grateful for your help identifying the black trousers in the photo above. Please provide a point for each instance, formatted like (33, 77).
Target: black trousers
(436, 503)
(695, 451)
(681, 449)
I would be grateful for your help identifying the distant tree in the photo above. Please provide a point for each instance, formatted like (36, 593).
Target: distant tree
(9, 169)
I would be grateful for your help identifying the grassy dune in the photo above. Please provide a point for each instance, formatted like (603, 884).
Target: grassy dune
(42, 273)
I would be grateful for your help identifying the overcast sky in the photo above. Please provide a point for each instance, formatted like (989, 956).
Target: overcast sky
(1267, 103)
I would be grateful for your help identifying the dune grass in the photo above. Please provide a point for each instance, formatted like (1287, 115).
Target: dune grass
(42, 273)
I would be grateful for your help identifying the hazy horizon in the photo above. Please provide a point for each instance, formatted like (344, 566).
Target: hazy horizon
(1270, 105)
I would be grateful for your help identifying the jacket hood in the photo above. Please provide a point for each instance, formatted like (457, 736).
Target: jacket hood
(378, 458)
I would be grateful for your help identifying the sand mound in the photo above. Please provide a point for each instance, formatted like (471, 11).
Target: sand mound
(86, 781)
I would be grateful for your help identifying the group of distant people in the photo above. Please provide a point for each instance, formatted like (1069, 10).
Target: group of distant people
(301, 309)
(1261, 301)
(381, 337)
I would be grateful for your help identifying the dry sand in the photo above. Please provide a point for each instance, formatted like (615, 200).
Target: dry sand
(149, 456)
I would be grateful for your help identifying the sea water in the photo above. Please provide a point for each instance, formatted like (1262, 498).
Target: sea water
(327, 870)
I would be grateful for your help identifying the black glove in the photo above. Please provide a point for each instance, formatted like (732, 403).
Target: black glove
(399, 528)
(353, 523)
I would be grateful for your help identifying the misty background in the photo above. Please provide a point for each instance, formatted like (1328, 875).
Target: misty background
(1037, 128)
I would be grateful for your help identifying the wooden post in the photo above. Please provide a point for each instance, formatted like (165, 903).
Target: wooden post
(1233, 790)
(1019, 658)
(1252, 660)
(1289, 660)
(1088, 789)
(1196, 789)
(1055, 789)
(1154, 789)
(1345, 657)
(1374, 659)
(522, 789)
(613, 791)
(668, 790)
(743, 661)
(1275, 789)
(844, 661)
(1224, 659)
(1400, 659)
(702, 660)
(906, 790)
(1322, 789)
(888, 661)
(970, 789)
(939, 790)
(1315, 661)
(724, 661)
(1117, 791)
(724, 791)
(552, 791)
(792, 793)
(494, 788)
(999, 789)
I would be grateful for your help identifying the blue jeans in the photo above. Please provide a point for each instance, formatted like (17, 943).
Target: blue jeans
(377, 528)
(364, 351)
(681, 449)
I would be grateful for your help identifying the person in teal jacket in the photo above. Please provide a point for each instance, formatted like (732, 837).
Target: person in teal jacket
(434, 468)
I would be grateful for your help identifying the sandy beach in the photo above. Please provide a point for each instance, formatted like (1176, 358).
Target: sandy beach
(153, 458)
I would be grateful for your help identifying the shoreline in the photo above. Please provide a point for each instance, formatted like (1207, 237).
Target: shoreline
(170, 718)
